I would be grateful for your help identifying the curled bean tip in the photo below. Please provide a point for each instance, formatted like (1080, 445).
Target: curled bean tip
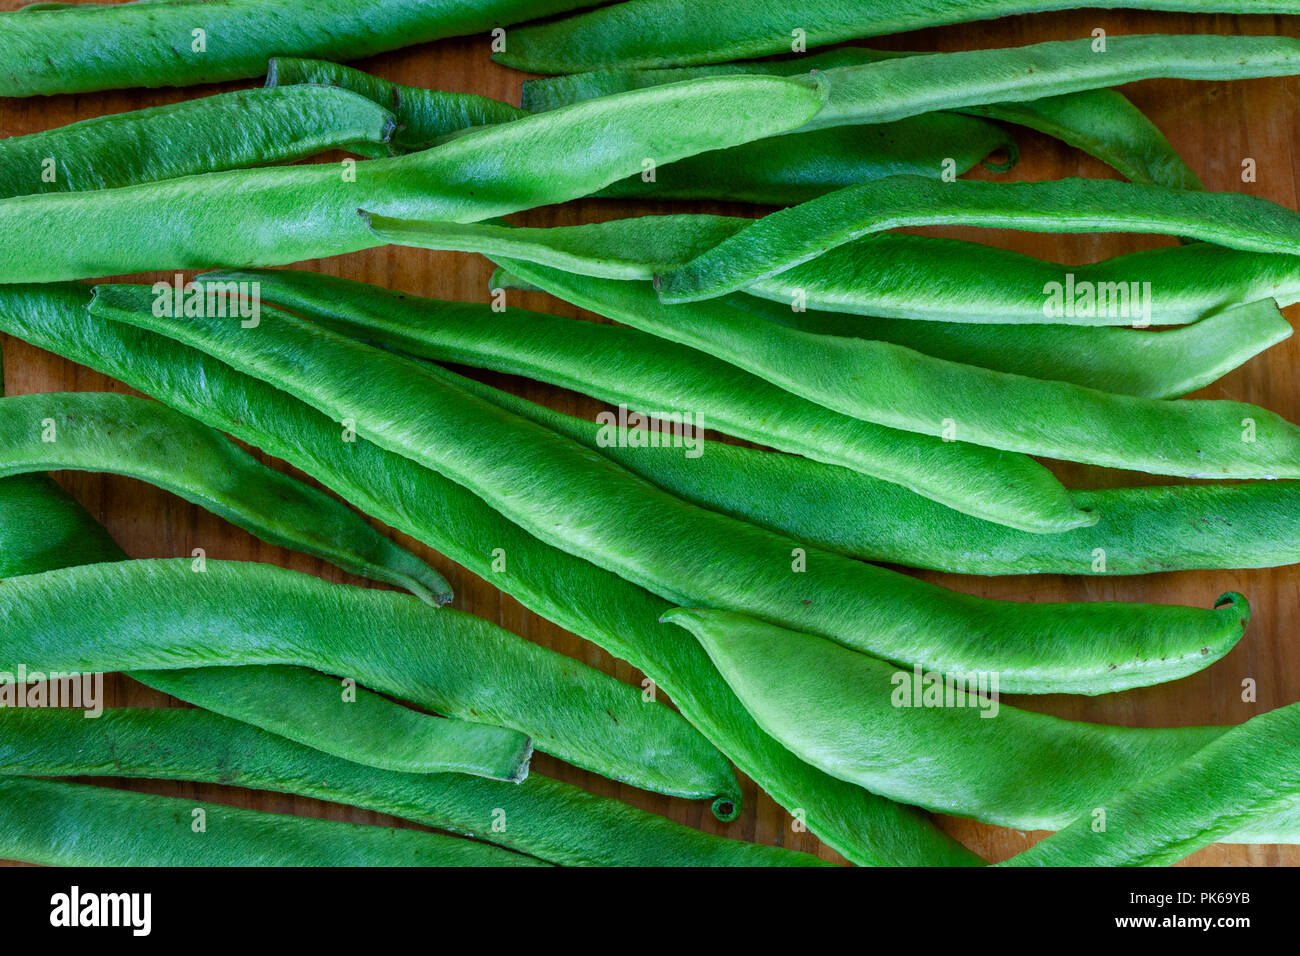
(726, 809)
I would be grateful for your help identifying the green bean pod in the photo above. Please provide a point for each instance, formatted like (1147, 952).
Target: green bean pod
(575, 594)
(908, 736)
(362, 726)
(1247, 777)
(788, 237)
(64, 533)
(423, 117)
(545, 818)
(71, 824)
(903, 389)
(271, 216)
(666, 33)
(1142, 530)
(1144, 364)
(226, 131)
(896, 275)
(1101, 122)
(624, 366)
(83, 47)
(585, 504)
(120, 434)
(240, 613)
(1126, 361)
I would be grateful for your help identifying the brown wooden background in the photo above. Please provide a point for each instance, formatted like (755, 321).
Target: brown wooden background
(1214, 125)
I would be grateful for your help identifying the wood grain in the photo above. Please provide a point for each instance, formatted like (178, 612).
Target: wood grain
(1214, 125)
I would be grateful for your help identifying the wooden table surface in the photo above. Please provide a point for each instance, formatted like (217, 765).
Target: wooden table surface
(1214, 125)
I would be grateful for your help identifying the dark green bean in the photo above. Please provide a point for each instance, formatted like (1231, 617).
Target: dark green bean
(71, 824)
(63, 532)
(238, 613)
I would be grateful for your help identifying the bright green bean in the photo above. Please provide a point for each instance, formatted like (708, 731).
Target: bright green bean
(906, 735)
(1249, 776)
(1145, 364)
(575, 594)
(900, 388)
(424, 117)
(120, 434)
(1142, 530)
(624, 366)
(226, 131)
(361, 726)
(897, 275)
(1101, 122)
(276, 215)
(75, 49)
(71, 824)
(663, 33)
(239, 613)
(583, 503)
(548, 819)
(786, 238)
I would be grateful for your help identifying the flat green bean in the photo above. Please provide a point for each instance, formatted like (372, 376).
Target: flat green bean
(900, 388)
(910, 737)
(124, 435)
(272, 216)
(361, 726)
(424, 117)
(1101, 122)
(226, 131)
(545, 818)
(71, 824)
(624, 366)
(1142, 530)
(788, 237)
(579, 501)
(896, 275)
(664, 33)
(1248, 776)
(78, 48)
(239, 613)
(575, 594)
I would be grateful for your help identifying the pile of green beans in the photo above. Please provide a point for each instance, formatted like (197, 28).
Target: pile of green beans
(561, 493)
(444, 660)
(575, 594)
(544, 818)
(76, 48)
